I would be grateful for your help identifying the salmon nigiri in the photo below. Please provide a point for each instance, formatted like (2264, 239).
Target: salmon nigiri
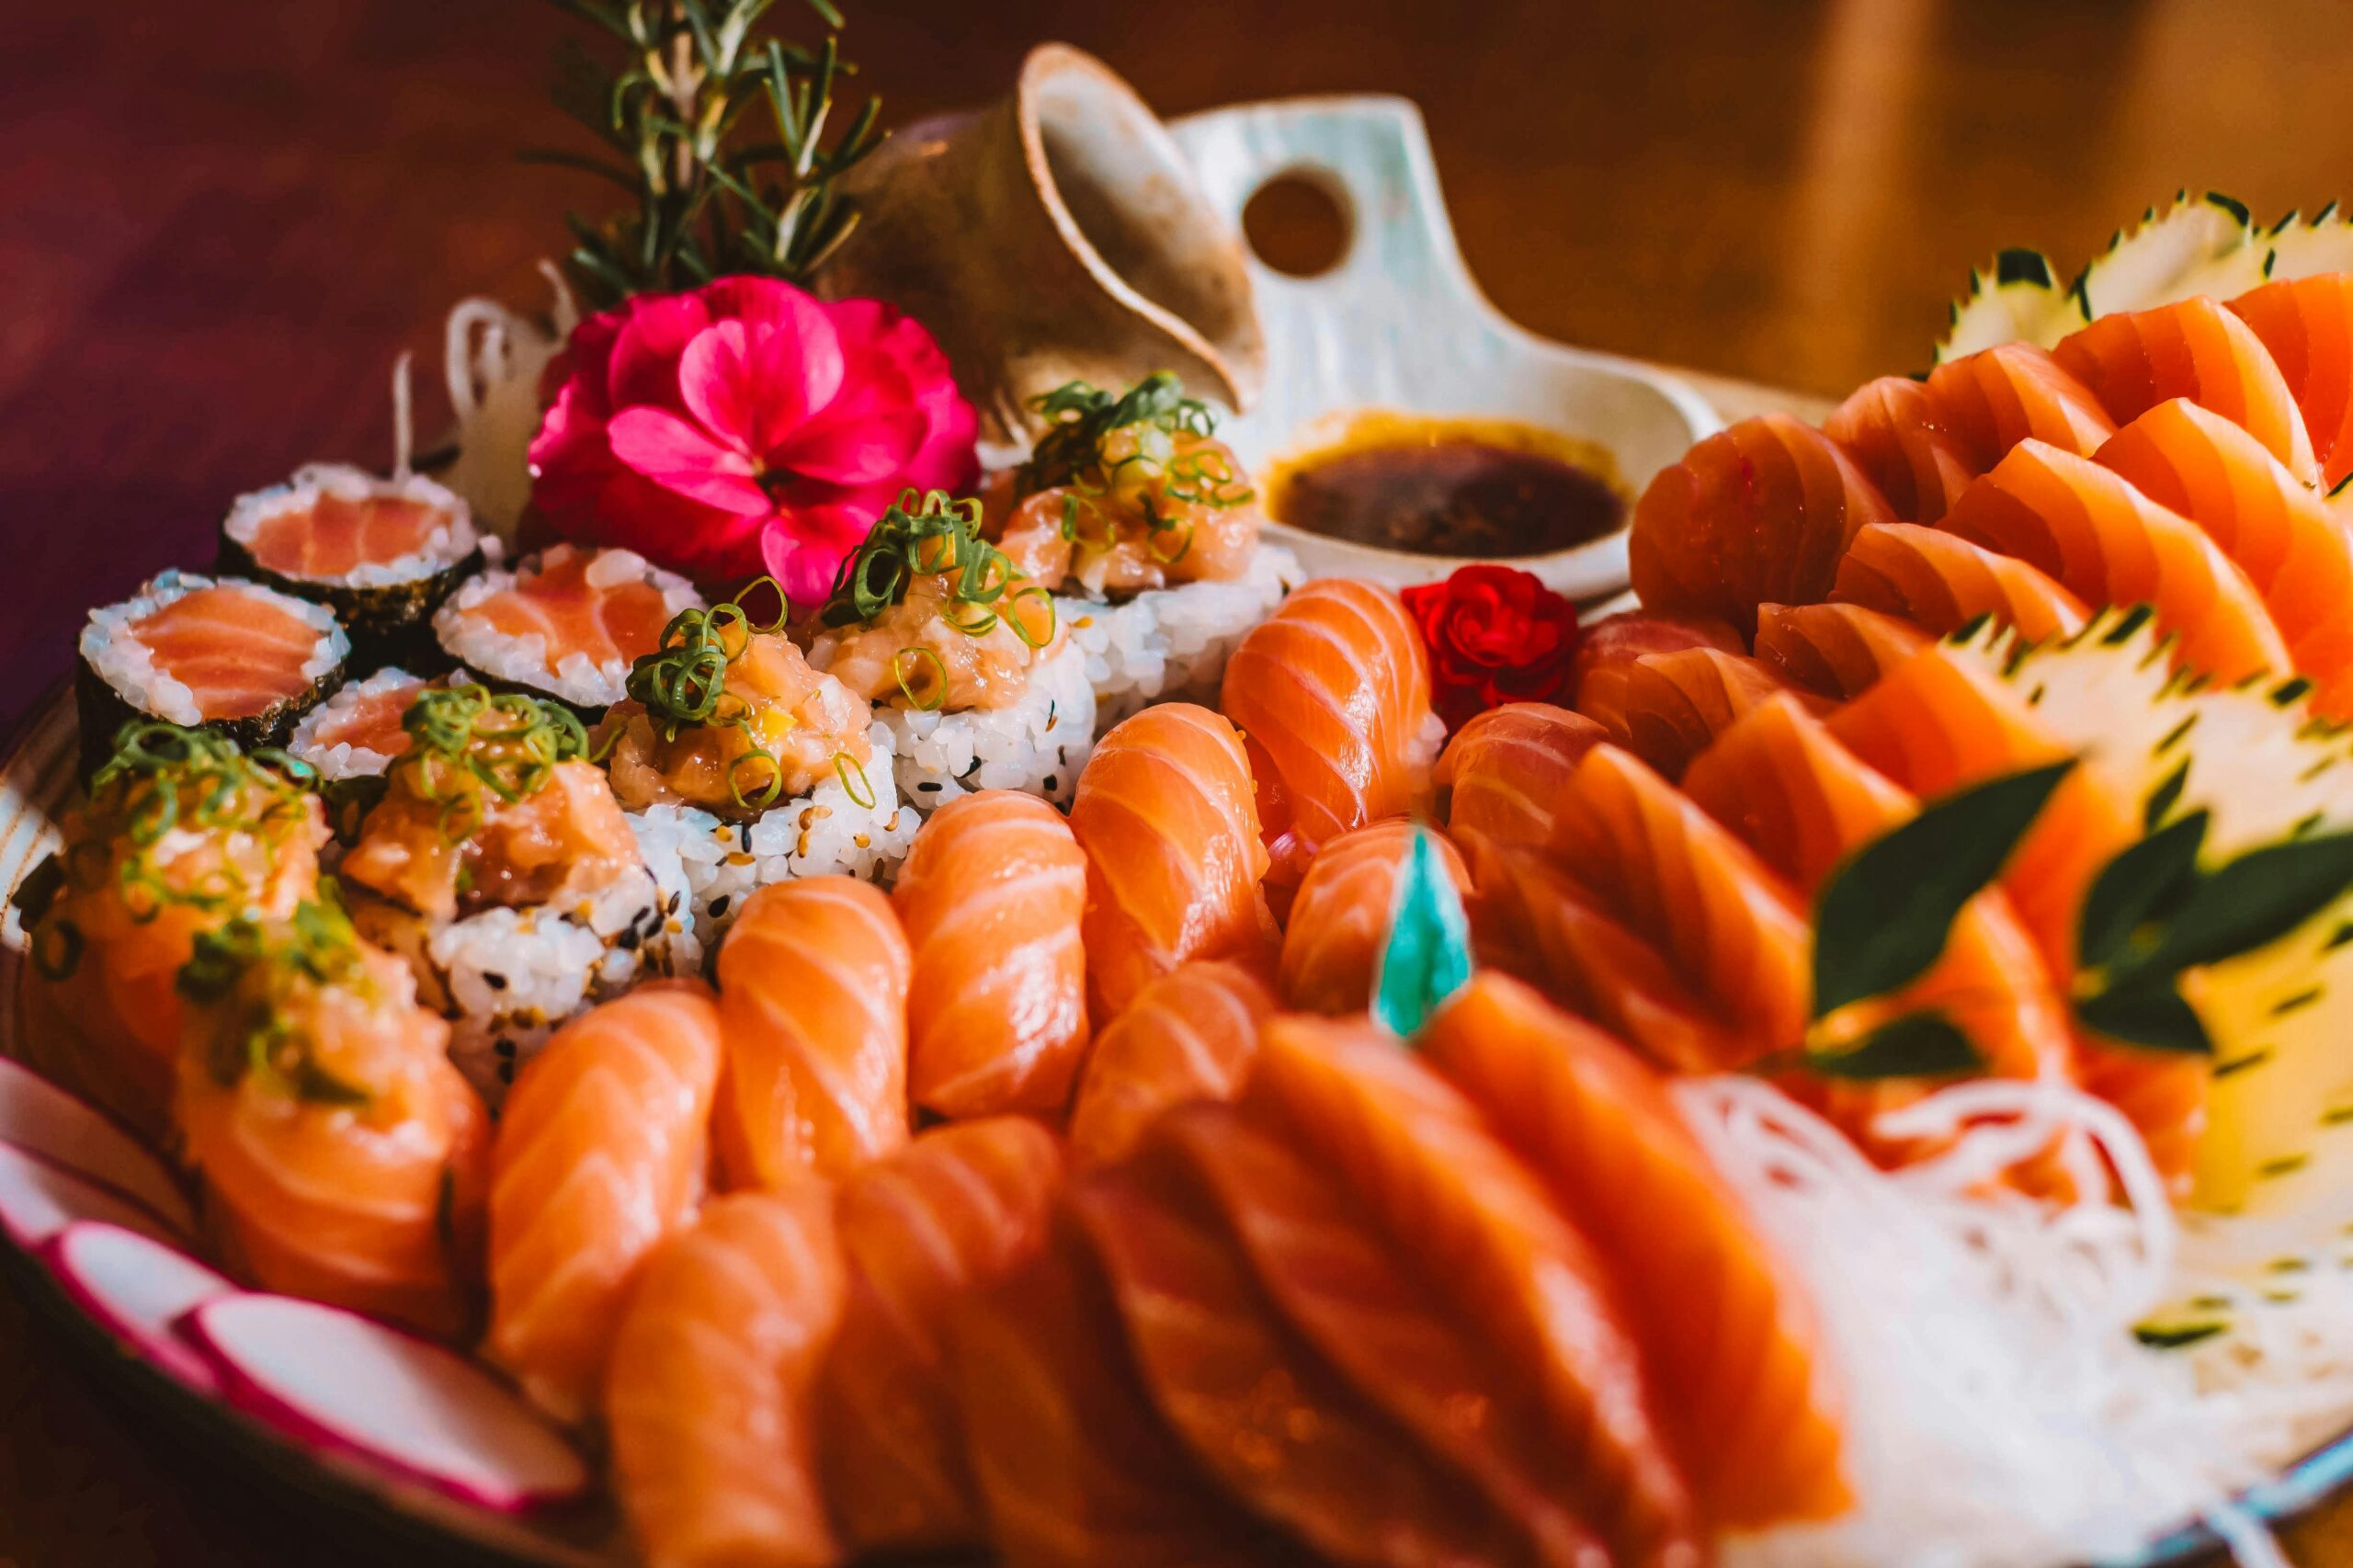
(1940, 582)
(1190, 1034)
(1671, 705)
(1497, 775)
(2295, 551)
(343, 1158)
(1332, 696)
(1834, 650)
(2089, 529)
(1075, 1466)
(1897, 435)
(2307, 323)
(1487, 1239)
(813, 1001)
(1332, 947)
(601, 1152)
(2193, 349)
(1759, 513)
(2014, 391)
(992, 896)
(707, 1400)
(1726, 1331)
(924, 1231)
(1167, 813)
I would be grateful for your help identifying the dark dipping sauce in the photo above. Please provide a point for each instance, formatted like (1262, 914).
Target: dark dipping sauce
(1482, 488)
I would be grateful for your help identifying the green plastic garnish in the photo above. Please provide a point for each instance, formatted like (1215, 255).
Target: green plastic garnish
(1426, 958)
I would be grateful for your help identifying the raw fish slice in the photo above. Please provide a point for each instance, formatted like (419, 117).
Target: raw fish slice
(2074, 520)
(1168, 814)
(1734, 932)
(924, 1231)
(708, 1402)
(1414, 1153)
(1673, 704)
(812, 1003)
(337, 536)
(1075, 1466)
(370, 719)
(601, 1149)
(1756, 513)
(237, 651)
(1940, 582)
(1275, 1424)
(1190, 1034)
(1727, 1333)
(2194, 348)
(1355, 1299)
(1834, 650)
(2307, 323)
(992, 896)
(1498, 775)
(1529, 919)
(1896, 433)
(1340, 920)
(1620, 639)
(1943, 723)
(2295, 551)
(1332, 696)
(557, 597)
(2015, 392)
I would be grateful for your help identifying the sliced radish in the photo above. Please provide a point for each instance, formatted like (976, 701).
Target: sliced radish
(335, 1379)
(39, 1116)
(137, 1289)
(39, 1197)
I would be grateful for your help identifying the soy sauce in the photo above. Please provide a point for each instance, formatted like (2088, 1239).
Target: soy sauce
(1488, 489)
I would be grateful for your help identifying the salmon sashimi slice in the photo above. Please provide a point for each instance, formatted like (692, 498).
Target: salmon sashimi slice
(1994, 399)
(992, 897)
(601, 1152)
(239, 649)
(2198, 349)
(1529, 919)
(1416, 1154)
(1834, 650)
(1728, 1334)
(1357, 1301)
(1620, 639)
(925, 1229)
(1498, 775)
(337, 535)
(1190, 1034)
(1277, 1426)
(2306, 325)
(1735, 933)
(2089, 529)
(707, 1400)
(1940, 582)
(1896, 433)
(1167, 813)
(1075, 1466)
(594, 603)
(1672, 705)
(2295, 551)
(1756, 513)
(1332, 696)
(1340, 921)
(812, 1003)
(1943, 723)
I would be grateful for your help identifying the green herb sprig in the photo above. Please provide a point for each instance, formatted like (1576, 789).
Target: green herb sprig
(710, 193)
(467, 740)
(251, 966)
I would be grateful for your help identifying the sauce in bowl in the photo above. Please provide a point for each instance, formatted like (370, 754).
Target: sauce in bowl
(1488, 489)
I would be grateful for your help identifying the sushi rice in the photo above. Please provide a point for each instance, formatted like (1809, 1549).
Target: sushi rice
(522, 661)
(1170, 644)
(1037, 744)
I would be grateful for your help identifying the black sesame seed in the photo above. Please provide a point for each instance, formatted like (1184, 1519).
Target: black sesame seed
(505, 1048)
(719, 907)
(744, 837)
(671, 907)
(629, 940)
(506, 1071)
(928, 786)
(495, 981)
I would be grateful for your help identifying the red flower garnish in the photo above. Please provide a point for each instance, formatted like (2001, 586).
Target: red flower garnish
(1495, 635)
(747, 426)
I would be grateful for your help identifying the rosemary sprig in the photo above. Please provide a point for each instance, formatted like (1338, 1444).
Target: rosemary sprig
(711, 195)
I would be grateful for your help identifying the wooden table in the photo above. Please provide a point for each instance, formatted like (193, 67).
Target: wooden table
(219, 225)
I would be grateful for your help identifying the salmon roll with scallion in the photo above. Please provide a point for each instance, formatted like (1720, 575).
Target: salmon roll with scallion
(229, 656)
(381, 553)
(568, 623)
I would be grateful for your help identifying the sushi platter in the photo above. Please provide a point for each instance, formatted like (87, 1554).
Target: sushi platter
(1096, 905)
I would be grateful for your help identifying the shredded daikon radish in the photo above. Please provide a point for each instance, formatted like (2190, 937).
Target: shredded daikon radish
(2000, 1410)
(403, 417)
(493, 360)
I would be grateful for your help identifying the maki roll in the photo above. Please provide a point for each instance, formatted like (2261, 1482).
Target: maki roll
(381, 553)
(357, 733)
(236, 658)
(569, 623)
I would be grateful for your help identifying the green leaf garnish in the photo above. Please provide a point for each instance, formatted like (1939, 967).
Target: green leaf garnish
(2146, 1011)
(2252, 900)
(2175, 1336)
(1426, 958)
(1881, 918)
(2146, 880)
(1924, 1044)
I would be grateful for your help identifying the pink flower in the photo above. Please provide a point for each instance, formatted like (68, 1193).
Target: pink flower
(747, 426)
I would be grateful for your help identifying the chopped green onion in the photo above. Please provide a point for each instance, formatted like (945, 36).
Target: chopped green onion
(936, 690)
(860, 793)
(1015, 620)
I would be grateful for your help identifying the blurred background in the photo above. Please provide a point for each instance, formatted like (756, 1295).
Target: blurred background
(220, 222)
